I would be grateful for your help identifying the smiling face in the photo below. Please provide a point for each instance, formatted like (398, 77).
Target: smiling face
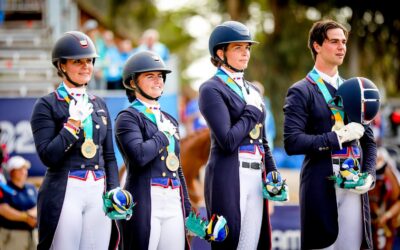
(151, 83)
(332, 51)
(79, 70)
(237, 55)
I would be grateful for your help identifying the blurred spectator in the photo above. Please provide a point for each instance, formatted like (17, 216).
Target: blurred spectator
(112, 63)
(18, 210)
(90, 27)
(395, 120)
(125, 49)
(378, 127)
(191, 117)
(149, 41)
(384, 201)
(269, 128)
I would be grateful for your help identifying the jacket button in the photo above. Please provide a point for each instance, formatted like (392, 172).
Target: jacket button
(96, 166)
(97, 126)
(320, 149)
(83, 166)
(174, 174)
(251, 141)
(162, 158)
(260, 140)
(164, 174)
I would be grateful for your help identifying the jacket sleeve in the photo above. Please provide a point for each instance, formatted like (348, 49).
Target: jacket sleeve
(296, 113)
(51, 145)
(369, 150)
(215, 111)
(110, 162)
(269, 161)
(131, 142)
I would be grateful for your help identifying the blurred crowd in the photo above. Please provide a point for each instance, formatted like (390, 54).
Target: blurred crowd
(113, 53)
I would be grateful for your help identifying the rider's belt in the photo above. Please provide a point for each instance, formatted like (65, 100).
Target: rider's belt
(165, 182)
(253, 165)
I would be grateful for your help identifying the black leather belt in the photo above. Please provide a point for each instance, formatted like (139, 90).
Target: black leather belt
(336, 161)
(253, 165)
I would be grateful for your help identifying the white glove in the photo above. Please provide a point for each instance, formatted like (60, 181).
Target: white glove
(251, 98)
(369, 183)
(166, 126)
(79, 111)
(350, 132)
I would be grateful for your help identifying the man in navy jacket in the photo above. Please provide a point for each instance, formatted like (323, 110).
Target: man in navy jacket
(331, 217)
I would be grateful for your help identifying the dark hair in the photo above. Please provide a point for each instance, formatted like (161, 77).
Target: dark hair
(318, 33)
(218, 63)
(130, 94)
(61, 61)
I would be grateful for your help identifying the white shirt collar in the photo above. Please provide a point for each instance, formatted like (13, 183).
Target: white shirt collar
(332, 80)
(236, 76)
(152, 107)
(75, 92)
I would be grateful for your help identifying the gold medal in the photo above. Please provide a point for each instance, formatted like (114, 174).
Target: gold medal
(172, 162)
(88, 149)
(338, 125)
(256, 131)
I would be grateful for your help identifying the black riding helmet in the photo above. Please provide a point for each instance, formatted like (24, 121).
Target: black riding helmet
(225, 33)
(72, 45)
(141, 62)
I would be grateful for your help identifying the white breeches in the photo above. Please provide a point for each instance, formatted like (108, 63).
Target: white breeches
(349, 219)
(251, 207)
(167, 225)
(82, 223)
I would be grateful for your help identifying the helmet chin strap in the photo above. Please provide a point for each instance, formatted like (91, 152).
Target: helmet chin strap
(73, 82)
(225, 62)
(70, 80)
(146, 95)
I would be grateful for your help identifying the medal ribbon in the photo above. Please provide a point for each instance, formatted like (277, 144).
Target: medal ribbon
(338, 114)
(230, 82)
(139, 106)
(87, 123)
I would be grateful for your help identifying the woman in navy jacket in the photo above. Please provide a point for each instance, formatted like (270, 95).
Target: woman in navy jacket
(240, 155)
(149, 142)
(73, 137)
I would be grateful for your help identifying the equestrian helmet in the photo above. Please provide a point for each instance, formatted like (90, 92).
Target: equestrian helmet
(228, 32)
(73, 45)
(144, 61)
(360, 99)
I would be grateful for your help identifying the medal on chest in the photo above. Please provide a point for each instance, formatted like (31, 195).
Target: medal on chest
(88, 149)
(172, 162)
(256, 131)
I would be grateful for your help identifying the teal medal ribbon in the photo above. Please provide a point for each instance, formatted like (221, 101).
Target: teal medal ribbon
(256, 131)
(338, 114)
(172, 160)
(358, 179)
(88, 148)
(230, 82)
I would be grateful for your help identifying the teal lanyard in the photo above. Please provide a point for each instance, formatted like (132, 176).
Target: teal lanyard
(230, 82)
(139, 106)
(87, 123)
(338, 114)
